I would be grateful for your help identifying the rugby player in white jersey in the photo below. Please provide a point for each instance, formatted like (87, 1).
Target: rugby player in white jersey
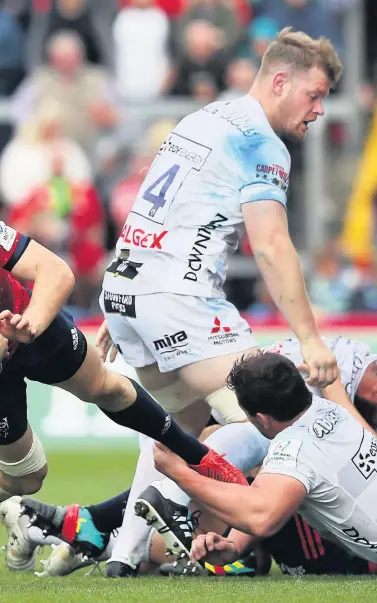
(321, 463)
(222, 168)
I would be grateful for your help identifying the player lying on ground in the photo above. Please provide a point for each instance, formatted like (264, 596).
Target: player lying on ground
(222, 169)
(297, 549)
(358, 369)
(320, 462)
(40, 342)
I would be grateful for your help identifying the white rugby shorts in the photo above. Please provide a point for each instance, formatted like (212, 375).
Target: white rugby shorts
(174, 330)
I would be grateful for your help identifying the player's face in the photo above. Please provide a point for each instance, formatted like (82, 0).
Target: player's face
(301, 102)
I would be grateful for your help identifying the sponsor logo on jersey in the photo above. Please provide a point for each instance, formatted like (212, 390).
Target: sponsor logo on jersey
(7, 236)
(357, 538)
(124, 267)
(117, 303)
(139, 238)
(239, 120)
(168, 146)
(221, 334)
(365, 459)
(204, 234)
(284, 452)
(273, 174)
(4, 427)
(171, 346)
(326, 424)
(75, 338)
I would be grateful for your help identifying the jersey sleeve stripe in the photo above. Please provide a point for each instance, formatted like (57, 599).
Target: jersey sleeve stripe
(22, 244)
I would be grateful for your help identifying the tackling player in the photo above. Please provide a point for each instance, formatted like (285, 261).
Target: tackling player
(320, 463)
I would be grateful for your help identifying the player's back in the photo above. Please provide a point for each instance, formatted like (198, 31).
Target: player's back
(335, 458)
(187, 215)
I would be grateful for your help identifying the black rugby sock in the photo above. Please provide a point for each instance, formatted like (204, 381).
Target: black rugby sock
(108, 515)
(146, 416)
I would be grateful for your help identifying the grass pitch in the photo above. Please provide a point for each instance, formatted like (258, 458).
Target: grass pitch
(85, 478)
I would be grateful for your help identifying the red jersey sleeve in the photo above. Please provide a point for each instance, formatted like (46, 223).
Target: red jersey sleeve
(12, 246)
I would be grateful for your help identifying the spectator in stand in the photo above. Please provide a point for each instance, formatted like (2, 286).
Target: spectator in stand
(334, 281)
(46, 181)
(201, 60)
(141, 35)
(85, 93)
(260, 33)
(240, 75)
(11, 51)
(90, 19)
(69, 220)
(218, 13)
(173, 8)
(314, 17)
(39, 151)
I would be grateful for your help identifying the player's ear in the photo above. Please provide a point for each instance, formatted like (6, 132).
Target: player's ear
(279, 82)
(263, 420)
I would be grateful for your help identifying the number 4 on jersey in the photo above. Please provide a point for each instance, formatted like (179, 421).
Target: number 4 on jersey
(157, 191)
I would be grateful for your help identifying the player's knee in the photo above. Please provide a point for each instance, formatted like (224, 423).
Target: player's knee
(225, 402)
(26, 475)
(27, 484)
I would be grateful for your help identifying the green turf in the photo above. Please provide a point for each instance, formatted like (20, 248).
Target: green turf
(86, 478)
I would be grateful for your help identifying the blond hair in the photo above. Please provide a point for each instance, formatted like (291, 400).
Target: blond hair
(301, 52)
(49, 112)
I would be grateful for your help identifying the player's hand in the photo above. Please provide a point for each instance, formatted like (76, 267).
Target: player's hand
(166, 461)
(16, 327)
(104, 343)
(213, 548)
(320, 363)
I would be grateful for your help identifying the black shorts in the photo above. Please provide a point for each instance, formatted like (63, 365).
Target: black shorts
(53, 357)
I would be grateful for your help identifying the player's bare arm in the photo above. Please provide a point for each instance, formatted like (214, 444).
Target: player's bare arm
(259, 510)
(53, 283)
(267, 228)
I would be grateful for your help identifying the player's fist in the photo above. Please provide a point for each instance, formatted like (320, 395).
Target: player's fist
(320, 362)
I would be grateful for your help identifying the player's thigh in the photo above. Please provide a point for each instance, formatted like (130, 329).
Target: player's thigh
(194, 417)
(210, 375)
(58, 353)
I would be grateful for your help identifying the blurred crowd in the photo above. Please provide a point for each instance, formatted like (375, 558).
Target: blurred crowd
(90, 85)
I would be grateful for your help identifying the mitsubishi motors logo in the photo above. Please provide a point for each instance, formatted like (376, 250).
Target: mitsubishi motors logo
(221, 334)
(217, 327)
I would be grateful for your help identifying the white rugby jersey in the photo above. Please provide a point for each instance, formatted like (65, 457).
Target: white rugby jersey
(351, 355)
(330, 453)
(187, 215)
